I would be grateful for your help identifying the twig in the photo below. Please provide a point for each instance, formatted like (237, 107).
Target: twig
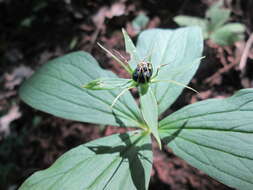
(220, 71)
(246, 53)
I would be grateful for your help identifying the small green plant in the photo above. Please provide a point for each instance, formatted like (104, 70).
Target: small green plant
(140, 22)
(213, 135)
(214, 25)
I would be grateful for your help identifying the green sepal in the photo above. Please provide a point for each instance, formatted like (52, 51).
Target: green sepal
(131, 49)
(143, 88)
(108, 83)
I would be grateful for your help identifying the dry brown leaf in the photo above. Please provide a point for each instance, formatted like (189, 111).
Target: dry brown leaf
(117, 9)
(17, 76)
(99, 18)
(5, 121)
(4, 95)
(245, 53)
(154, 22)
(130, 30)
(205, 94)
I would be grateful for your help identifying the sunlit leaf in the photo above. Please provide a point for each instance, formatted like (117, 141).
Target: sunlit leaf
(215, 136)
(121, 161)
(181, 49)
(56, 88)
(184, 20)
(228, 34)
(217, 16)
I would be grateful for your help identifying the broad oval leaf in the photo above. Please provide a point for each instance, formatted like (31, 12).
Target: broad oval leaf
(217, 16)
(234, 27)
(121, 161)
(215, 136)
(181, 49)
(56, 88)
(228, 34)
(183, 20)
(149, 112)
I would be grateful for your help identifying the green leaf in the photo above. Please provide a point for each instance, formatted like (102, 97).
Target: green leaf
(130, 48)
(108, 84)
(217, 16)
(57, 89)
(121, 161)
(181, 49)
(149, 112)
(228, 34)
(27, 22)
(233, 27)
(140, 22)
(215, 136)
(183, 20)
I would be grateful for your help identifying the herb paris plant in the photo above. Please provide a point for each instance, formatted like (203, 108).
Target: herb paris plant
(142, 77)
(213, 135)
(214, 25)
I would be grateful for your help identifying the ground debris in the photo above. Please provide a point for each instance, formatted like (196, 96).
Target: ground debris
(16, 77)
(5, 121)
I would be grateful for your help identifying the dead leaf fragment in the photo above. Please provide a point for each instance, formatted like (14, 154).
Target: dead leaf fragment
(15, 78)
(117, 9)
(5, 121)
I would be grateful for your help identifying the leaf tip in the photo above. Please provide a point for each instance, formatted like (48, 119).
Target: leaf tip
(159, 143)
(123, 31)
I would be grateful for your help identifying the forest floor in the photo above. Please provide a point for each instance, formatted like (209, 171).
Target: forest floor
(33, 32)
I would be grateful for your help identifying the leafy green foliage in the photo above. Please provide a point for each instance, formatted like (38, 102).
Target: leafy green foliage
(180, 50)
(182, 20)
(140, 22)
(217, 16)
(225, 35)
(213, 135)
(56, 89)
(213, 25)
(121, 161)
